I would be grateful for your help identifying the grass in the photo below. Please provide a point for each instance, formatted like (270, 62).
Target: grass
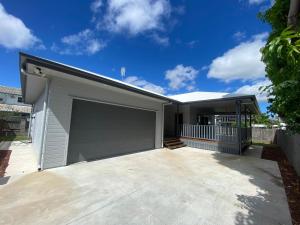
(264, 144)
(14, 138)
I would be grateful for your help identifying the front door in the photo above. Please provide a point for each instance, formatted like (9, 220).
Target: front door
(178, 122)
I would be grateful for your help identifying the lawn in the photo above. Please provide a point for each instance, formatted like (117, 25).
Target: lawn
(14, 138)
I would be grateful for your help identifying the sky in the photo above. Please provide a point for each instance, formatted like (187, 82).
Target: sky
(169, 47)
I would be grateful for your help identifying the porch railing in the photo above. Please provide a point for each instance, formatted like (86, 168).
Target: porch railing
(208, 132)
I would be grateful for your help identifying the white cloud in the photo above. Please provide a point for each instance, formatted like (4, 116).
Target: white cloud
(180, 10)
(82, 43)
(242, 62)
(256, 2)
(265, 4)
(254, 89)
(96, 5)
(15, 34)
(134, 80)
(164, 41)
(192, 44)
(136, 16)
(239, 35)
(182, 77)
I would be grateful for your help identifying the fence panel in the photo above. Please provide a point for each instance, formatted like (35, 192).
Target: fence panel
(263, 135)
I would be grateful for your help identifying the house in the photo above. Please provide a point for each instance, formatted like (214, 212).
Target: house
(10, 96)
(14, 114)
(80, 116)
(11, 100)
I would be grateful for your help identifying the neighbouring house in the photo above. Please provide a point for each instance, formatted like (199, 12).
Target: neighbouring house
(14, 114)
(80, 116)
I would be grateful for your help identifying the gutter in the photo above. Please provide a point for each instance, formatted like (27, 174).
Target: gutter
(45, 108)
(84, 74)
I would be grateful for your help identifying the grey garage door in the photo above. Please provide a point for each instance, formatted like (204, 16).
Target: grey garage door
(102, 130)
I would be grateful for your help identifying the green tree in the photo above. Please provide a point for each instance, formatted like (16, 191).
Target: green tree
(282, 58)
(262, 119)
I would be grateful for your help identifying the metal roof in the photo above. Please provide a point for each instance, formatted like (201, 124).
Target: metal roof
(25, 58)
(198, 96)
(15, 108)
(182, 98)
(10, 90)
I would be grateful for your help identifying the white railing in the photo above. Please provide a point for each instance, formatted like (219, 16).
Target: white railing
(208, 132)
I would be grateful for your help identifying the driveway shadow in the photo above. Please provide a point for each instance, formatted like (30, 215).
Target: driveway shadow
(4, 180)
(269, 204)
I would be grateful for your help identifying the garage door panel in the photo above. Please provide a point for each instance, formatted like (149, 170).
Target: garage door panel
(102, 130)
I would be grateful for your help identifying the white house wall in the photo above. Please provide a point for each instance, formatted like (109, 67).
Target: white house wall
(37, 124)
(61, 93)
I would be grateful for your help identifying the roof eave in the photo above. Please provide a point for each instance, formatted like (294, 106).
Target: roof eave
(79, 73)
(252, 97)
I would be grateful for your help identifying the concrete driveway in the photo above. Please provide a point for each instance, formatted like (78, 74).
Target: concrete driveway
(22, 159)
(179, 187)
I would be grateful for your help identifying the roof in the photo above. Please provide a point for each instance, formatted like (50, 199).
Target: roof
(15, 108)
(10, 90)
(198, 96)
(25, 58)
(212, 98)
(71, 70)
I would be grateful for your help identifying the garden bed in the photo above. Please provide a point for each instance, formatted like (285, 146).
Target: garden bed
(4, 159)
(290, 179)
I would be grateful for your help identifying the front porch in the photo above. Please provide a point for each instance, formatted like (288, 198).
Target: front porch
(222, 125)
(215, 137)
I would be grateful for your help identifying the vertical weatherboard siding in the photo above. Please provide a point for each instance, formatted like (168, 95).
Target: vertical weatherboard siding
(61, 93)
(37, 124)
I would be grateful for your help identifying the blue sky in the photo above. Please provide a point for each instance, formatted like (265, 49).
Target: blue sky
(170, 47)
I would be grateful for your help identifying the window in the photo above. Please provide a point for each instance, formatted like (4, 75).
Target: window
(1, 99)
(20, 99)
(204, 120)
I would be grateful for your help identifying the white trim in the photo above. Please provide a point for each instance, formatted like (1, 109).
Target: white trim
(111, 103)
(45, 125)
(162, 125)
(30, 124)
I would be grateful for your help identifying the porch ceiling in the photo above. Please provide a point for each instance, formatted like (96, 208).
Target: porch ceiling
(225, 106)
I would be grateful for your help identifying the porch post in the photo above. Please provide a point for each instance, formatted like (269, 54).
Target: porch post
(245, 123)
(250, 124)
(245, 116)
(238, 125)
(176, 122)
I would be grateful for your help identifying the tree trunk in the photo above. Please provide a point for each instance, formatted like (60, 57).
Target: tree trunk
(293, 13)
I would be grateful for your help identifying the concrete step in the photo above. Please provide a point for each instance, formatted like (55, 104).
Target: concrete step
(174, 143)
(176, 146)
(171, 141)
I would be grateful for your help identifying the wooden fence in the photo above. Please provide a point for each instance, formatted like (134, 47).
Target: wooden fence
(13, 125)
(263, 135)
